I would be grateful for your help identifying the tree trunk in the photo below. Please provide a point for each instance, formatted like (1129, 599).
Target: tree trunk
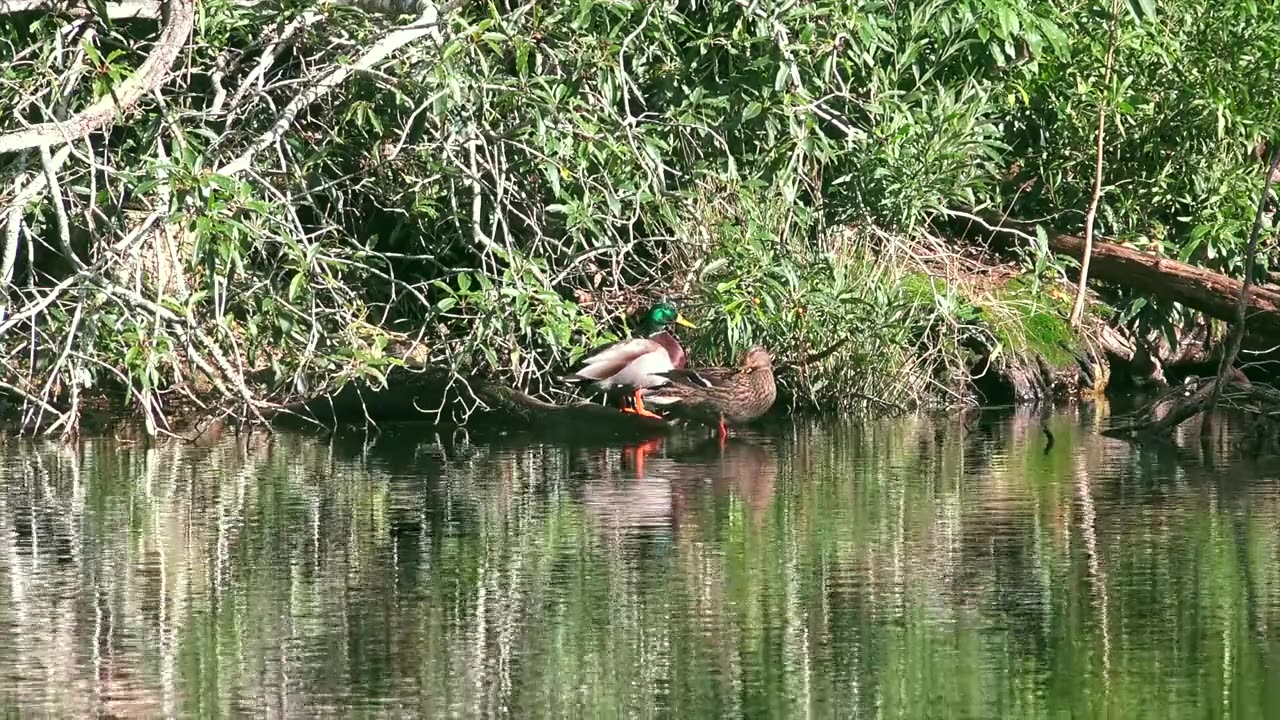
(415, 395)
(1212, 293)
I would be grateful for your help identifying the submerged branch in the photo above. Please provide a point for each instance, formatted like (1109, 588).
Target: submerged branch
(1175, 406)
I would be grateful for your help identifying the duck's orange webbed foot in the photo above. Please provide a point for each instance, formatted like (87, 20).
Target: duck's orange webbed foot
(640, 409)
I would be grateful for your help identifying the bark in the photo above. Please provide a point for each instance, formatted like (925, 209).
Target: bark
(417, 395)
(1210, 292)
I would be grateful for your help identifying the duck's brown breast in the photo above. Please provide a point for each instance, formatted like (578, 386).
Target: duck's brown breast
(672, 346)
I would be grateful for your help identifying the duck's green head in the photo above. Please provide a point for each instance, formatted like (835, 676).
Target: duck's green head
(660, 316)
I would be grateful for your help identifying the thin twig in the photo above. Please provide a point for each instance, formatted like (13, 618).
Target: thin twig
(1237, 332)
(1077, 309)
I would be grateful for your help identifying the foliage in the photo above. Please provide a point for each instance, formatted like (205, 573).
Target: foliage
(1189, 112)
(766, 279)
(497, 195)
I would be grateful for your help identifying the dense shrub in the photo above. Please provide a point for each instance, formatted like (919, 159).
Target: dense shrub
(505, 194)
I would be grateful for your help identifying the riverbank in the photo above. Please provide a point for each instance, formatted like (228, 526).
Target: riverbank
(963, 329)
(260, 218)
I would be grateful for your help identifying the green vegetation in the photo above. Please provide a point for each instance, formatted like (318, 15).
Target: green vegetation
(502, 189)
(1038, 324)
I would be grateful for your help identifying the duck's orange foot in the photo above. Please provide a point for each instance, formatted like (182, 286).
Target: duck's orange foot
(642, 410)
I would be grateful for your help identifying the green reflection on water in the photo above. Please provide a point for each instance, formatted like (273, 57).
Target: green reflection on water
(896, 569)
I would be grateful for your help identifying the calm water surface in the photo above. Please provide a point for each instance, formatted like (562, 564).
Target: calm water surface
(907, 568)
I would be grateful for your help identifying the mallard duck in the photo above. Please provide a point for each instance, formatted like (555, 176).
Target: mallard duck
(636, 363)
(718, 395)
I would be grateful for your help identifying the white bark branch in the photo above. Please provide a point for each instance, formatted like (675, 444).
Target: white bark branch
(271, 53)
(116, 9)
(102, 113)
(13, 215)
(426, 24)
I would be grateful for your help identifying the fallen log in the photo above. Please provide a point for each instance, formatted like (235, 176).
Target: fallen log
(419, 392)
(1210, 292)
(439, 396)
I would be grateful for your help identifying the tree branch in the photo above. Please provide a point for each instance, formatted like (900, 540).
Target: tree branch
(100, 115)
(116, 9)
(426, 24)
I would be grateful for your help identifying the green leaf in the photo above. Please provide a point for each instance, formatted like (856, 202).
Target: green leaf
(751, 110)
(780, 80)
(295, 286)
(446, 304)
(1056, 37)
(522, 59)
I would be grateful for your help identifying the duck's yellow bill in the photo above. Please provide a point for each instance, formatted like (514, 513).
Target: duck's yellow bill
(682, 320)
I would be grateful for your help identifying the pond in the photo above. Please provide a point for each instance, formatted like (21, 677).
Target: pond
(898, 568)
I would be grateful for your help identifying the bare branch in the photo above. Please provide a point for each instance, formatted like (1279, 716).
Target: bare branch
(181, 15)
(1077, 308)
(426, 24)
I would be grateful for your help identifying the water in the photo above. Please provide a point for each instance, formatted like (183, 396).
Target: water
(907, 568)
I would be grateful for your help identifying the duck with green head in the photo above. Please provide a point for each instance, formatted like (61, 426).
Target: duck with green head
(636, 363)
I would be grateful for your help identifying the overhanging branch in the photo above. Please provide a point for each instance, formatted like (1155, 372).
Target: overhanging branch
(181, 17)
(116, 9)
(426, 24)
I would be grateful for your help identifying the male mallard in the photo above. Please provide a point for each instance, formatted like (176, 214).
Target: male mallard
(719, 395)
(638, 362)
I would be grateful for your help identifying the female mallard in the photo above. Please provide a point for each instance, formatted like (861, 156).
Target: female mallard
(719, 395)
(636, 363)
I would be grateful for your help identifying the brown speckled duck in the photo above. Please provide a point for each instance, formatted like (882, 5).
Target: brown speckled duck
(718, 396)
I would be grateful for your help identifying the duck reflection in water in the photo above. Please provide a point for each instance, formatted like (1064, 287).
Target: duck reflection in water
(670, 483)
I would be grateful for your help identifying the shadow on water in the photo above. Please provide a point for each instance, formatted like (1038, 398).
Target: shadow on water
(904, 568)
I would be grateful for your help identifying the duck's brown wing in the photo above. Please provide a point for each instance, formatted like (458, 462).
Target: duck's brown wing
(708, 377)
